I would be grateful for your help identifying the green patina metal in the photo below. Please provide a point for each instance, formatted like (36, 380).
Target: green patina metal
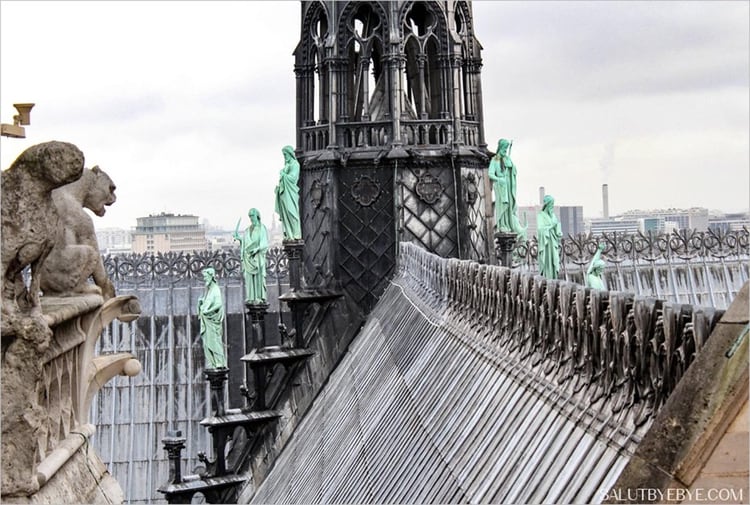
(253, 247)
(287, 196)
(502, 173)
(211, 317)
(596, 269)
(549, 234)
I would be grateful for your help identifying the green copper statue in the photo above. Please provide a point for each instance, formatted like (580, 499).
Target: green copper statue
(287, 196)
(502, 173)
(211, 317)
(549, 234)
(253, 247)
(596, 269)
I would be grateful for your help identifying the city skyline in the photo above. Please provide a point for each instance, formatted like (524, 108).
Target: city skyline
(190, 116)
(274, 224)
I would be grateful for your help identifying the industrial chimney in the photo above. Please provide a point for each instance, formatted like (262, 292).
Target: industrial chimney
(541, 195)
(605, 201)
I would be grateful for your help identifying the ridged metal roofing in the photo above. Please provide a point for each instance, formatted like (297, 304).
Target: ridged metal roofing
(425, 409)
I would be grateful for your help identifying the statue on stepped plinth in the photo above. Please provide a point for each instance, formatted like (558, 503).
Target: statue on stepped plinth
(211, 317)
(253, 248)
(287, 196)
(502, 173)
(596, 270)
(549, 235)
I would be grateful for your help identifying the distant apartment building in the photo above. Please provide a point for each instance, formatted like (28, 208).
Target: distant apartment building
(619, 224)
(570, 216)
(223, 243)
(654, 224)
(695, 218)
(169, 233)
(571, 219)
(114, 240)
(734, 221)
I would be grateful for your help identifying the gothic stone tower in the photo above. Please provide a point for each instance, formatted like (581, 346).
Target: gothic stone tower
(390, 139)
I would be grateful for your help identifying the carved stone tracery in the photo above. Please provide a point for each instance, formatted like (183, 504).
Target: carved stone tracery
(365, 191)
(429, 188)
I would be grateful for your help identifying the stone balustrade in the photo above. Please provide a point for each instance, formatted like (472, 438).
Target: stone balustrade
(629, 349)
(414, 132)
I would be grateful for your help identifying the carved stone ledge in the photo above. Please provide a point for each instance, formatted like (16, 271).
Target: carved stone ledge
(58, 309)
(273, 355)
(48, 384)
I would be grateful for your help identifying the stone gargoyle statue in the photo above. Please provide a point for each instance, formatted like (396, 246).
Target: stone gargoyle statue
(75, 256)
(30, 220)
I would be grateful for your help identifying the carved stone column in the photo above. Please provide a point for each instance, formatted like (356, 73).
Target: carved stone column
(476, 77)
(293, 250)
(395, 62)
(309, 85)
(216, 378)
(321, 71)
(444, 67)
(365, 65)
(504, 245)
(455, 73)
(468, 89)
(421, 60)
(299, 109)
(256, 337)
(342, 89)
(257, 340)
(174, 443)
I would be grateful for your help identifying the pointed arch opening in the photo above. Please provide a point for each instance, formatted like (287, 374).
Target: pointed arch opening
(365, 77)
(436, 88)
(423, 78)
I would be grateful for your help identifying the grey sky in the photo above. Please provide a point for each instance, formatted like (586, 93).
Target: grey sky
(188, 104)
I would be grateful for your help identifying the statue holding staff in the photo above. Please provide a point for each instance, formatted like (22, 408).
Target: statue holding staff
(549, 234)
(253, 247)
(287, 196)
(502, 173)
(211, 317)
